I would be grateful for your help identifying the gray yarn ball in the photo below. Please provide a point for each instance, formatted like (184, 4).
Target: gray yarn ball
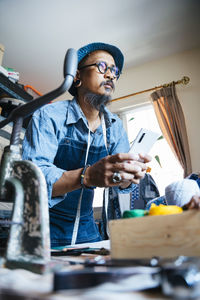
(181, 192)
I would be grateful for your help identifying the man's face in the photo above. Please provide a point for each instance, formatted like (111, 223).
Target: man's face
(92, 80)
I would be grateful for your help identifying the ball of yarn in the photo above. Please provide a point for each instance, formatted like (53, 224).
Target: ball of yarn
(181, 192)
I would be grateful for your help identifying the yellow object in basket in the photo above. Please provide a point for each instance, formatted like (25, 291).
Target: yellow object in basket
(164, 209)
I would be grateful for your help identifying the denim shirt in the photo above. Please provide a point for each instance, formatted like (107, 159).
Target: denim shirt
(56, 141)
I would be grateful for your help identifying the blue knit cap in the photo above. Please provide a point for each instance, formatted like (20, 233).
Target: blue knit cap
(85, 50)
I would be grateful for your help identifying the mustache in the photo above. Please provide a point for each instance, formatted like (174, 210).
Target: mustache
(109, 82)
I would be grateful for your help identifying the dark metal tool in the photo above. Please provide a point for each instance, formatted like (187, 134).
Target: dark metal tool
(23, 183)
(90, 277)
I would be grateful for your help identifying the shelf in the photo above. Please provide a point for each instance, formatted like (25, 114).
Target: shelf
(13, 90)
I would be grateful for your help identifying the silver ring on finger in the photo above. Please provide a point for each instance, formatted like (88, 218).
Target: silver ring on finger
(116, 178)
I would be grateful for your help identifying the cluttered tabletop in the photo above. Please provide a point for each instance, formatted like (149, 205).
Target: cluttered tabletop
(145, 258)
(85, 271)
(160, 263)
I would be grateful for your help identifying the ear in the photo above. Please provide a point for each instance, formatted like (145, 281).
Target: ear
(77, 81)
(77, 76)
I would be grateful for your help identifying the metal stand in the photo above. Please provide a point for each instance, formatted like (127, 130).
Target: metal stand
(28, 244)
(23, 183)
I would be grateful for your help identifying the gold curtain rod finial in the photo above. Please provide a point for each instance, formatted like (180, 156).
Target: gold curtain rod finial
(185, 80)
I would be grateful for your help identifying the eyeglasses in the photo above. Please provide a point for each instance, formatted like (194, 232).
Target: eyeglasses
(103, 68)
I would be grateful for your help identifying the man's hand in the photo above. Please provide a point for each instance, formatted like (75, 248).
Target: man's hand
(130, 167)
(194, 203)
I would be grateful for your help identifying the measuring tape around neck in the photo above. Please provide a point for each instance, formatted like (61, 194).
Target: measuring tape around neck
(78, 212)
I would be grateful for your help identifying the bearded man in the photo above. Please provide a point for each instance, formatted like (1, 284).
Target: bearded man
(79, 145)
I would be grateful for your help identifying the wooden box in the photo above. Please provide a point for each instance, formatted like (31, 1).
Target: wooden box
(165, 236)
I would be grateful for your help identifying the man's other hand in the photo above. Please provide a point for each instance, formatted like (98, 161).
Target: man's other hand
(194, 203)
(130, 167)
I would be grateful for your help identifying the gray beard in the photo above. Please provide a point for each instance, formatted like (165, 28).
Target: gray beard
(97, 101)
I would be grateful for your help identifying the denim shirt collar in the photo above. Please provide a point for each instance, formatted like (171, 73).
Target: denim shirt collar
(75, 114)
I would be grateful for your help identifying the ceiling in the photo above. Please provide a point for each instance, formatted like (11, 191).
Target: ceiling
(37, 33)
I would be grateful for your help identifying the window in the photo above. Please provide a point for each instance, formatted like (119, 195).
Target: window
(170, 169)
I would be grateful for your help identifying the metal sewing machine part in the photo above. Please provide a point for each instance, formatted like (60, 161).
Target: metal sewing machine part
(23, 183)
(181, 279)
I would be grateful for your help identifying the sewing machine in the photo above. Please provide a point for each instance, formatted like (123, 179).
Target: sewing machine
(23, 184)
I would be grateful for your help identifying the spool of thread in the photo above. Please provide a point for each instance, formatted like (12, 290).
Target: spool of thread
(135, 213)
(181, 192)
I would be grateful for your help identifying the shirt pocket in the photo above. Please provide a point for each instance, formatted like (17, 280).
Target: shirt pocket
(71, 154)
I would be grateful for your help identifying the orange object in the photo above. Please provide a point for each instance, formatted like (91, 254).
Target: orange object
(148, 170)
(31, 90)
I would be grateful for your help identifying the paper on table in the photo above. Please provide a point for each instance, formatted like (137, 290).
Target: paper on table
(101, 244)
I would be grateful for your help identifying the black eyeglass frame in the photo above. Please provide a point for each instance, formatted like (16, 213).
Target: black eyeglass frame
(107, 68)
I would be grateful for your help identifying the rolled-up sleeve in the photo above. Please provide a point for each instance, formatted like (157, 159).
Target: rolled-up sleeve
(40, 146)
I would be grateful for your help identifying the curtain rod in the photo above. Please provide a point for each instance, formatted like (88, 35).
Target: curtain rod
(185, 80)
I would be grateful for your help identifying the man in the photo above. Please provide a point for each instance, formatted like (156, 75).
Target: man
(80, 145)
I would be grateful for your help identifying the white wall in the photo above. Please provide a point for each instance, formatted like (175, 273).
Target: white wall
(162, 71)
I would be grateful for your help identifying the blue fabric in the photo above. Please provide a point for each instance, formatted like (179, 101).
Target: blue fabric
(195, 177)
(140, 196)
(148, 190)
(56, 141)
(113, 211)
(156, 201)
(135, 195)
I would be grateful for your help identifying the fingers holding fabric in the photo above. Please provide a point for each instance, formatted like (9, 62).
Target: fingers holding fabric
(194, 203)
